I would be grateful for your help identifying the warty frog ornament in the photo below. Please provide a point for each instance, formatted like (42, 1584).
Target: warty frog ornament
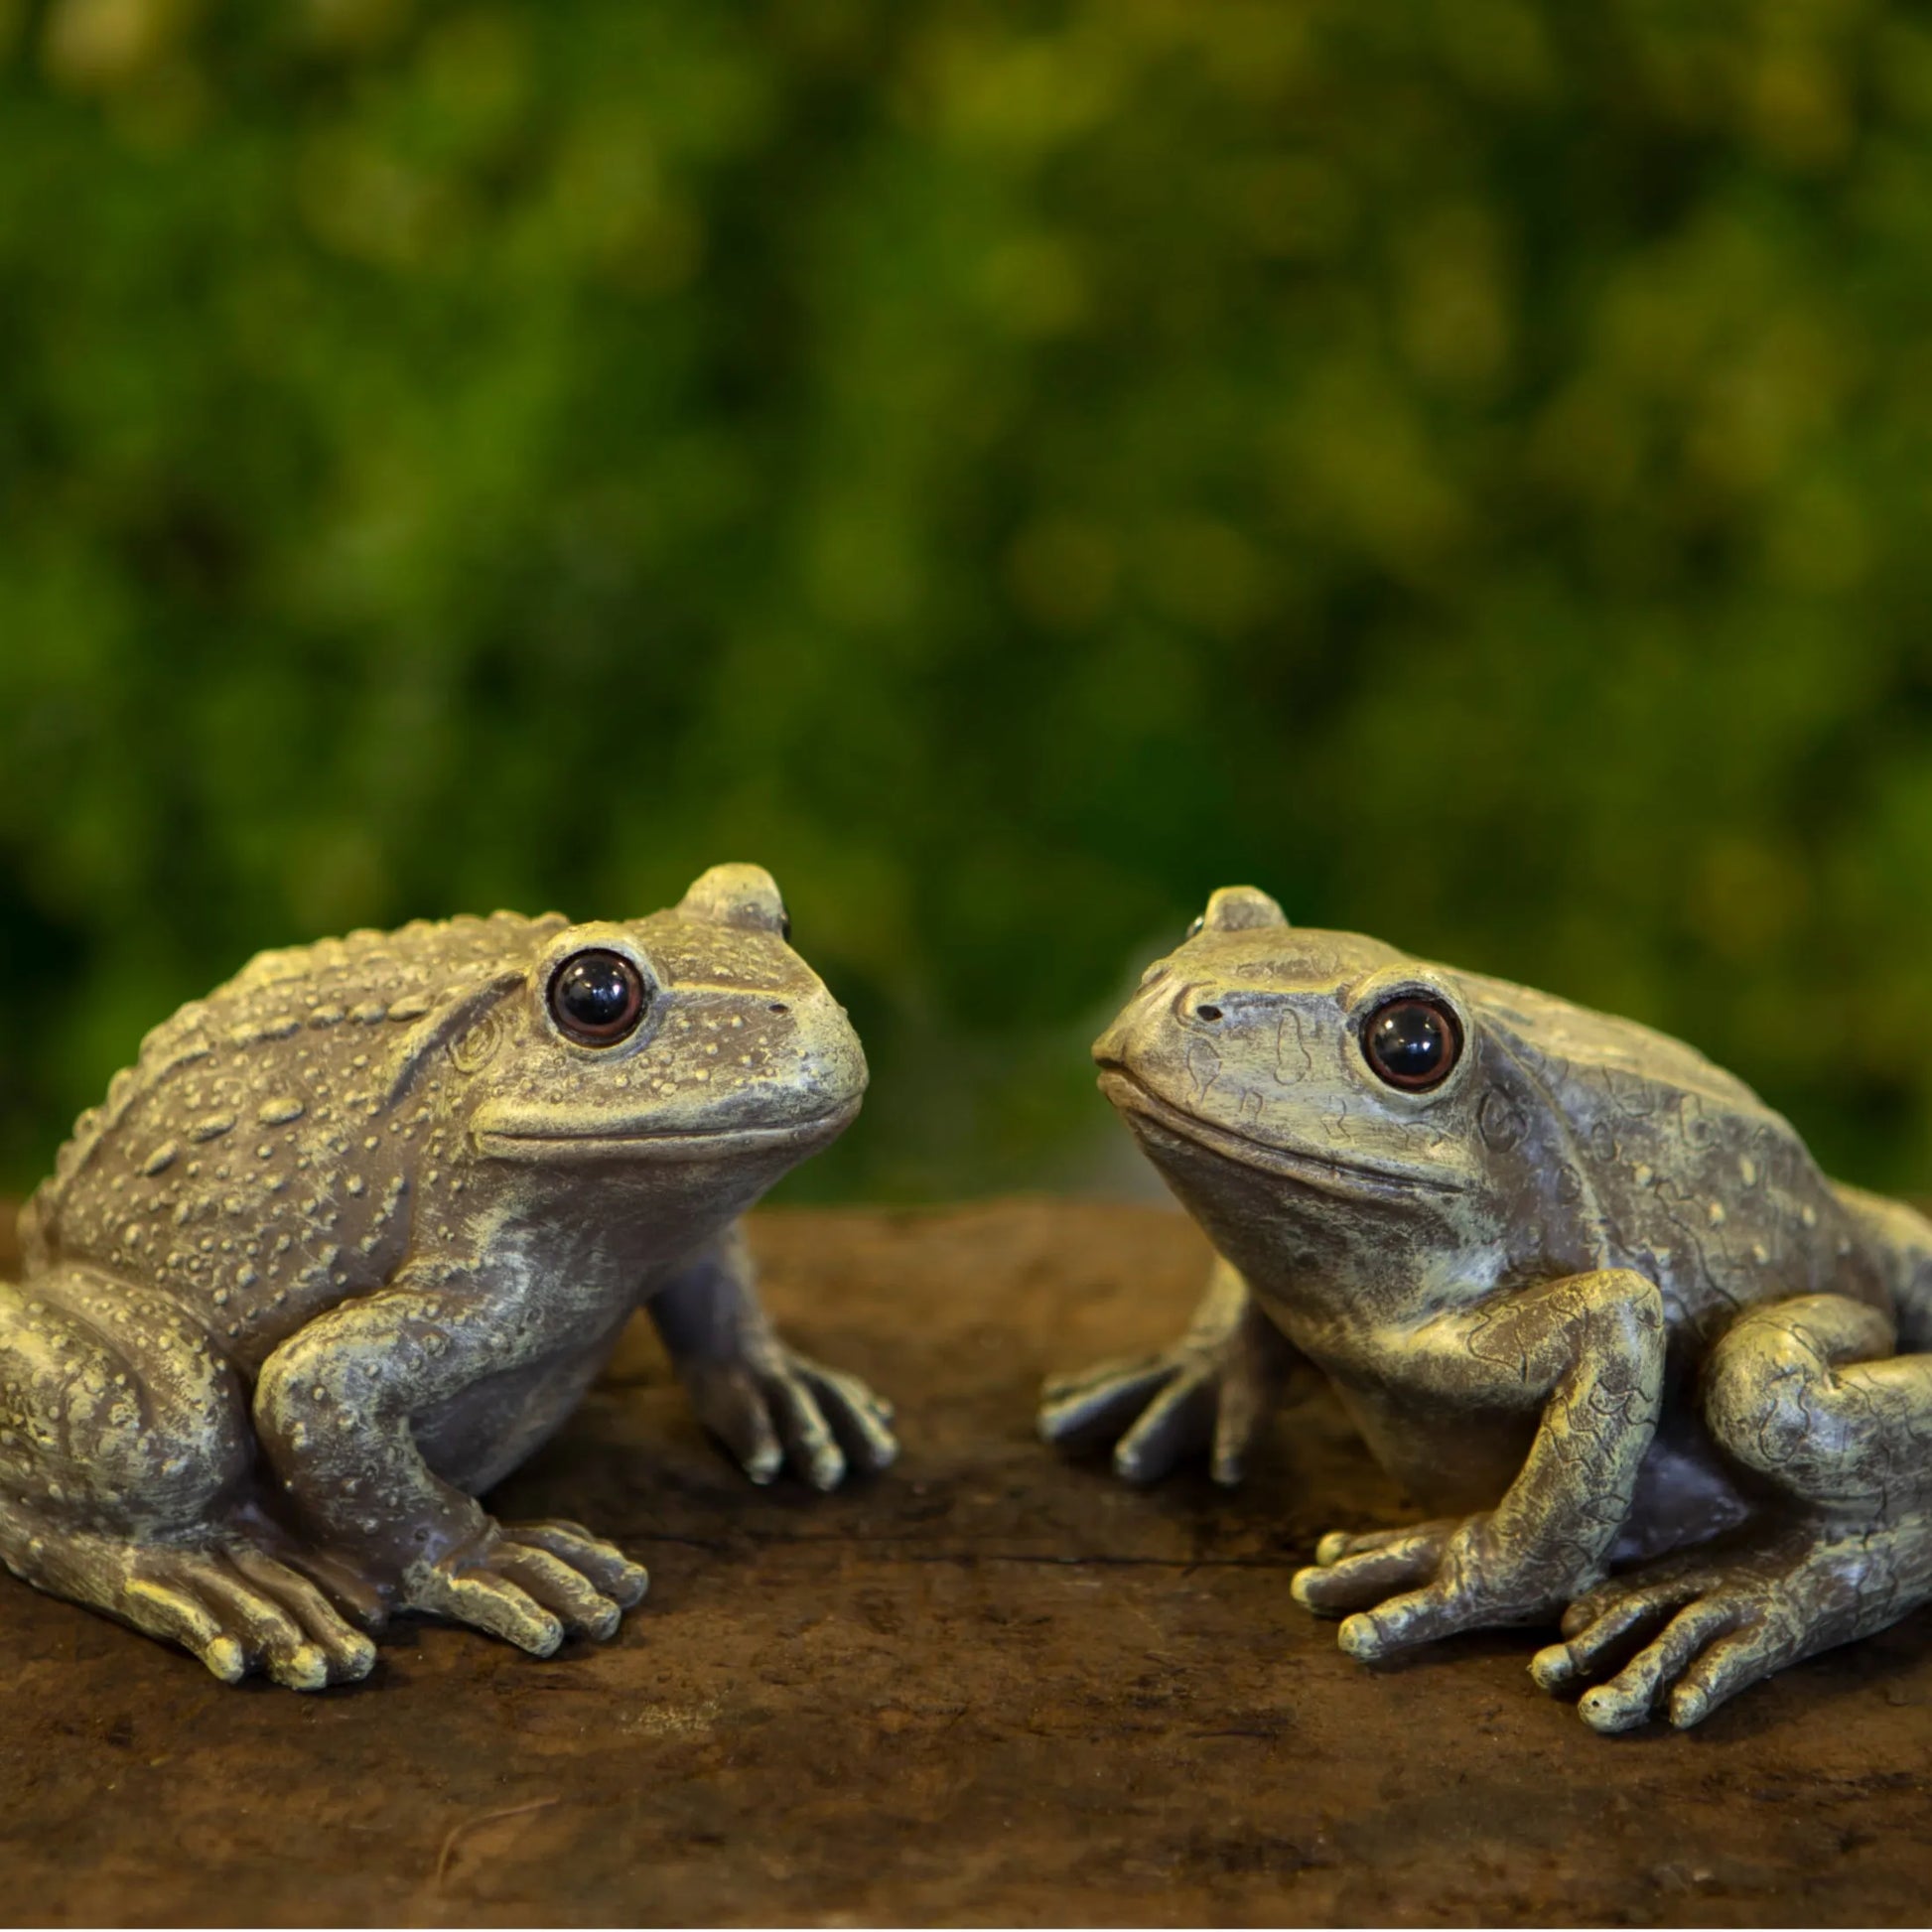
(1582, 1292)
(355, 1234)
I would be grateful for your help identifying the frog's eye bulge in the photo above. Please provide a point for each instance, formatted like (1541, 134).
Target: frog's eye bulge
(599, 997)
(1240, 909)
(1412, 1043)
(746, 897)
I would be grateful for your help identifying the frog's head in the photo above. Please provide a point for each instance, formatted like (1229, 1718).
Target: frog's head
(1321, 1071)
(692, 1040)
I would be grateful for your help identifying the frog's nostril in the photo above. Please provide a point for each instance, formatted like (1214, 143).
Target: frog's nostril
(779, 1006)
(1208, 1013)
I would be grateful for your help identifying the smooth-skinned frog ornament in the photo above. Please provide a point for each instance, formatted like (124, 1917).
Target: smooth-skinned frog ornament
(1582, 1294)
(355, 1235)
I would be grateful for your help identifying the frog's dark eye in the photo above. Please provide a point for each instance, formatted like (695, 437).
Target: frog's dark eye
(1412, 1043)
(597, 996)
(1197, 925)
(784, 922)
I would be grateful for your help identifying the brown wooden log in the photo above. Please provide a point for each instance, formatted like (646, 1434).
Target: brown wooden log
(993, 1686)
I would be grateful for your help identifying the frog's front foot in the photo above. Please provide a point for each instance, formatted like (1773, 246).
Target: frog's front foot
(529, 1583)
(1706, 1625)
(1165, 1408)
(776, 1405)
(1208, 1395)
(1214, 1392)
(1398, 1588)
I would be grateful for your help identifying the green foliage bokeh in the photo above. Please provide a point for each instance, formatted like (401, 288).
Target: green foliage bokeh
(1464, 467)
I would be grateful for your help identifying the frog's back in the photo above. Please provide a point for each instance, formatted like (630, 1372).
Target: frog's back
(252, 1154)
(1569, 1042)
(1673, 1166)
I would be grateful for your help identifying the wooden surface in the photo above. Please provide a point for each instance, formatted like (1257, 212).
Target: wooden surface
(992, 1687)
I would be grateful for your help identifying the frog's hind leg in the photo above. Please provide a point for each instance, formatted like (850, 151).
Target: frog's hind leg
(1899, 1238)
(125, 1453)
(1836, 1431)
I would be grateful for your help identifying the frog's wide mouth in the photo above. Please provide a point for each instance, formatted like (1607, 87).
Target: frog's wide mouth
(1385, 1180)
(556, 1137)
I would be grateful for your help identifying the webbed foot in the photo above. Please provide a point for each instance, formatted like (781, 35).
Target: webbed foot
(1706, 1625)
(530, 1583)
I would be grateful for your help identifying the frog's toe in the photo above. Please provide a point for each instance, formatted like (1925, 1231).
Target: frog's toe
(1100, 1402)
(347, 1655)
(270, 1636)
(1706, 1633)
(1735, 1661)
(610, 1571)
(731, 1405)
(811, 1446)
(1456, 1601)
(226, 1659)
(1246, 1402)
(1620, 1603)
(180, 1617)
(1630, 1697)
(1355, 1573)
(243, 1612)
(1398, 1623)
(863, 1421)
(795, 1411)
(1606, 1624)
(477, 1597)
(566, 1593)
(1177, 1422)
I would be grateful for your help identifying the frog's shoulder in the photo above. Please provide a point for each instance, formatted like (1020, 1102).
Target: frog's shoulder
(1569, 1045)
(367, 976)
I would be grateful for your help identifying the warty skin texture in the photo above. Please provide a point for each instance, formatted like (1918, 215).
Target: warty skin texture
(357, 1232)
(1585, 1296)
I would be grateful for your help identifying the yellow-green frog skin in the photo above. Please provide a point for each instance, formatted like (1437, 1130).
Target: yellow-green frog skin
(1584, 1296)
(357, 1232)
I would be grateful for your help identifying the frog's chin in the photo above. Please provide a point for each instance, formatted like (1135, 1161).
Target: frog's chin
(1153, 1119)
(548, 1138)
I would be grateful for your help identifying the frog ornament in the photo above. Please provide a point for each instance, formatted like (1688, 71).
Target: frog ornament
(355, 1235)
(1582, 1292)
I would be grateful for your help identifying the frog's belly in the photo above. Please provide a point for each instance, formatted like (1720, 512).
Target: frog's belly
(475, 1439)
(1686, 1492)
(1451, 1461)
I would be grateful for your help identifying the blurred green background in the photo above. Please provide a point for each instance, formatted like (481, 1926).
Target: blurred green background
(1463, 466)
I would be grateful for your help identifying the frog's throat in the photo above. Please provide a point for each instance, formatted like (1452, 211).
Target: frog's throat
(1384, 1180)
(537, 1138)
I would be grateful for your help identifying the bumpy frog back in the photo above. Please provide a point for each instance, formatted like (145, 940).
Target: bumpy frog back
(256, 1159)
(1673, 1166)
